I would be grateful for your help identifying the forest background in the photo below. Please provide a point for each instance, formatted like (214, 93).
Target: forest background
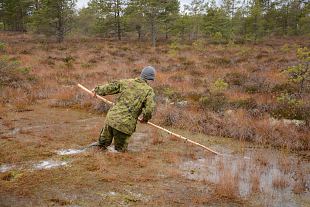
(225, 21)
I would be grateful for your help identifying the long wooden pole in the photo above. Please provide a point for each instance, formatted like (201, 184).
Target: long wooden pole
(154, 125)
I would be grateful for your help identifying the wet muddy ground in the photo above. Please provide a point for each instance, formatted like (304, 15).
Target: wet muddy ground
(42, 164)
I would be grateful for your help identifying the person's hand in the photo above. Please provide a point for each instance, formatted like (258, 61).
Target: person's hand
(94, 93)
(143, 121)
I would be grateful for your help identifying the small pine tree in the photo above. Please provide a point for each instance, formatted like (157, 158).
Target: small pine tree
(300, 74)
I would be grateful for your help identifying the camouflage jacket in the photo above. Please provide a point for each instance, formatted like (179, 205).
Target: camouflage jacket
(136, 97)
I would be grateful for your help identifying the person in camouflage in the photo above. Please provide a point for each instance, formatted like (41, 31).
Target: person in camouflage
(136, 97)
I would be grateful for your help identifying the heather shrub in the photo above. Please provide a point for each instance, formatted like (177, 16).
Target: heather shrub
(240, 125)
(172, 117)
(194, 96)
(290, 107)
(284, 88)
(214, 101)
(65, 98)
(243, 103)
(177, 78)
(208, 123)
(221, 61)
(187, 64)
(12, 75)
(255, 84)
(235, 78)
(164, 92)
(243, 130)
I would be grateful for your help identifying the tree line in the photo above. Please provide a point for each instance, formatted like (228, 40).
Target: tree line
(155, 20)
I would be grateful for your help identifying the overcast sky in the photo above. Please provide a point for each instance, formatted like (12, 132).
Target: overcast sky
(82, 3)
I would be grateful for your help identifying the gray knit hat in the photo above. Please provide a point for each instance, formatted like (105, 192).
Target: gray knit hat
(148, 73)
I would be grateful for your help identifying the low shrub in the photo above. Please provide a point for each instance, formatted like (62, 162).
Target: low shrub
(154, 60)
(187, 64)
(64, 98)
(165, 91)
(249, 103)
(235, 78)
(177, 78)
(241, 125)
(252, 88)
(284, 88)
(289, 107)
(12, 75)
(256, 84)
(172, 117)
(214, 101)
(194, 96)
(221, 61)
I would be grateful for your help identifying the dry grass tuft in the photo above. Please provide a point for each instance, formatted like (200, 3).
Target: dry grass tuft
(64, 98)
(8, 123)
(262, 160)
(191, 155)
(171, 157)
(285, 164)
(300, 185)
(2, 111)
(173, 138)
(227, 187)
(157, 139)
(280, 182)
(255, 181)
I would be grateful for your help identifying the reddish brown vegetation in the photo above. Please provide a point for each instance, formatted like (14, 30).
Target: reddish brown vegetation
(253, 73)
(280, 182)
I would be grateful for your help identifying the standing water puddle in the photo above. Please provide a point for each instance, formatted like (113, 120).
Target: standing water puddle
(275, 180)
(70, 151)
(5, 168)
(39, 165)
(48, 164)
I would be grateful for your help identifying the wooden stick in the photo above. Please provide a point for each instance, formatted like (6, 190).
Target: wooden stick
(100, 97)
(154, 125)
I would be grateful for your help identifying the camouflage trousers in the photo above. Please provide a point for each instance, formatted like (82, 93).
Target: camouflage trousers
(120, 139)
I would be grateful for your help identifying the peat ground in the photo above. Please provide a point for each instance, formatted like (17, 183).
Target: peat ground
(158, 170)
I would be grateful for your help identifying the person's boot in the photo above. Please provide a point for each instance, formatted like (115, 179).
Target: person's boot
(102, 147)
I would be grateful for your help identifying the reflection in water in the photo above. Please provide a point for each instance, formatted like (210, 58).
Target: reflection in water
(266, 175)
